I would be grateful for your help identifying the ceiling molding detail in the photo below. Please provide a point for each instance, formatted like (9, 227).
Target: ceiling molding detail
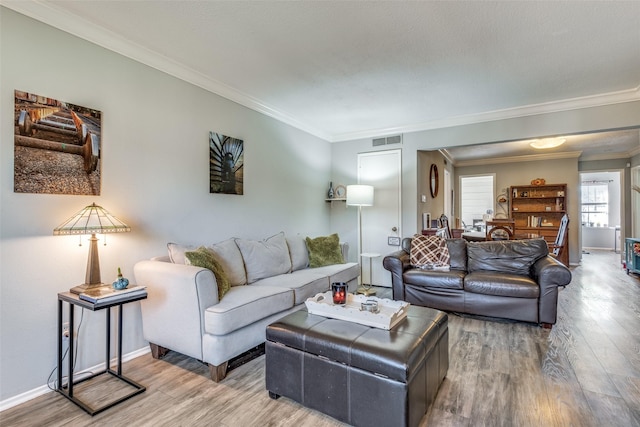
(629, 95)
(605, 156)
(519, 159)
(447, 156)
(48, 13)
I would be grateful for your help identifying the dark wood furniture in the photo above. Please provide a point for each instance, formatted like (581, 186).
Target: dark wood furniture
(73, 301)
(455, 232)
(539, 209)
(443, 229)
(500, 229)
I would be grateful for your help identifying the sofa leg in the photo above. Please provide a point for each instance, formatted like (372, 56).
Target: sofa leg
(157, 352)
(546, 325)
(218, 372)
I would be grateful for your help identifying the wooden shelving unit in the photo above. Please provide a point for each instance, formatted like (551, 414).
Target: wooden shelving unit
(538, 209)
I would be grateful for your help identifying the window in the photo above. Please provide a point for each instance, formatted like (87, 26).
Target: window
(595, 204)
(476, 199)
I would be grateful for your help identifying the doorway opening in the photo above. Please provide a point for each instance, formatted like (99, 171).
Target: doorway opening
(601, 210)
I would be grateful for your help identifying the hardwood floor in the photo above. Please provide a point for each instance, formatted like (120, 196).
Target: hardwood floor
(584, 372)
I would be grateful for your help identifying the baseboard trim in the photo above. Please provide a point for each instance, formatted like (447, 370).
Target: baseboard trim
(39, 391)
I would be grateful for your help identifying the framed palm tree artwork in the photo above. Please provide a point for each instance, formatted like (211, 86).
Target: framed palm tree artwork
(226, 164)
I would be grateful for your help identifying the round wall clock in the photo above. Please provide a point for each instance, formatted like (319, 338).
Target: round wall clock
(340, 192)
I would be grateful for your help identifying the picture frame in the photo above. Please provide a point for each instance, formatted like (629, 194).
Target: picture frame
(57, 146)
(226, 164)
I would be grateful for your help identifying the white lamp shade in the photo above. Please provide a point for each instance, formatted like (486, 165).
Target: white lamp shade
(359, 195)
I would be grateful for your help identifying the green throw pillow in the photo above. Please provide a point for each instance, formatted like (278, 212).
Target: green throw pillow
(324, 251)
(205, 258)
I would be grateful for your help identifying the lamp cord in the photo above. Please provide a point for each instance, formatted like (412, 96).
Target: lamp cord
(75, 356)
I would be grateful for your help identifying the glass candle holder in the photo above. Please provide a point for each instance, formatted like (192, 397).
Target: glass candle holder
(339, 290)
(370, 306)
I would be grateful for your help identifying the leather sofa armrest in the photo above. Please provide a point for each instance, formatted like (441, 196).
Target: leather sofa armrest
(549, 274)
(178, 295)
(397, 263)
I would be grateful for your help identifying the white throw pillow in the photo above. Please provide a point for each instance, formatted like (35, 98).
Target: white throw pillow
(265, 258)
(176, 252)
(232, 263)
(298, 252)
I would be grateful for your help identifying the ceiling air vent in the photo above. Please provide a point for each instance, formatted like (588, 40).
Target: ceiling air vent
(389, 140)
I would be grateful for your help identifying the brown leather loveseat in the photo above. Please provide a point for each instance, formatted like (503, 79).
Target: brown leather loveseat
(512, 279)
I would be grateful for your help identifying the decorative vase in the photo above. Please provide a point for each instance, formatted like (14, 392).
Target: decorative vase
(330, 193)
(121, 282)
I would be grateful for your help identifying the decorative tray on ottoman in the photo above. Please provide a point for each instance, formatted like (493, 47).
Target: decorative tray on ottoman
(388, 313)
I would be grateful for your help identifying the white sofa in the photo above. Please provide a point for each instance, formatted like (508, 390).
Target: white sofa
(269, 279)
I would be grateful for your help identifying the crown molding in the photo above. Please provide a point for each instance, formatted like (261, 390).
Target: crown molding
(447, 156)
(606, 156)
(519, 159)
(628, 95)
(48, 13)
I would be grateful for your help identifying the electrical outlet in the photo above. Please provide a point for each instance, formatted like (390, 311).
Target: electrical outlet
(65, 331)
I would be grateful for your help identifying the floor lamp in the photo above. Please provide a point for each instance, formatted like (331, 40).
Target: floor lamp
(360, 195)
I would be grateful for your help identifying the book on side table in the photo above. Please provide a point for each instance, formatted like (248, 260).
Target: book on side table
(106, 293)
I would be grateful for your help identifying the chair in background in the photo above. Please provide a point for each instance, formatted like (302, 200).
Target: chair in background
(443, 223)
(559, 249)
(500, 229)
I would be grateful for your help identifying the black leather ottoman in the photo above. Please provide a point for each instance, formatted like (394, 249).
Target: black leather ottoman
(358, 374)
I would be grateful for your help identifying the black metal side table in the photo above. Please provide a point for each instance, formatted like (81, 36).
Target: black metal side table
(74, 300)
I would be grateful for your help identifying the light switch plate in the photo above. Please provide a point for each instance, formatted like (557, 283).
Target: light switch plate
(393, 241)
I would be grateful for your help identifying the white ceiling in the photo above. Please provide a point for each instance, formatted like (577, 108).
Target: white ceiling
(345, 70)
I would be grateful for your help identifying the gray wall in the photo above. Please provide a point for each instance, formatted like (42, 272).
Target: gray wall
(592, 119)
(154, 177)
(560, 171)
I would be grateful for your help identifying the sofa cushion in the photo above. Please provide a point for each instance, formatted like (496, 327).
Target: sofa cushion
(339, 272)
(176, 252)
(206, 258)
(457, 254)
(265, 258)
(298, 252)
(231, 259)
(434, 279)
(244, 305)
(428, 250)
(501, 284)
(324, 250)
(304, 283)
(506, 256)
